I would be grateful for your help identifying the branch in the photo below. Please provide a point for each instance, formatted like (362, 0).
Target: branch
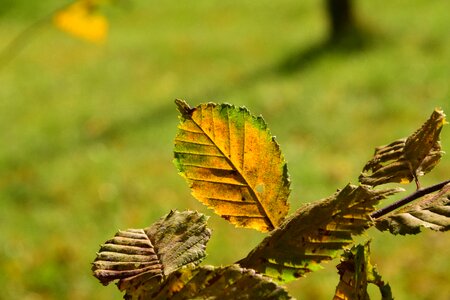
(417, 194)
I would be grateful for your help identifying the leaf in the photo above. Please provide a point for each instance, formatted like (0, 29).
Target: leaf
(315, 233)
(224, 283)
(135, 256)
(405, 159)
(232, 164)
(432, 211)
(356, 272)
(82, 20)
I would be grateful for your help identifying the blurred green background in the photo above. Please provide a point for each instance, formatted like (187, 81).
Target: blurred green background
(87, 131)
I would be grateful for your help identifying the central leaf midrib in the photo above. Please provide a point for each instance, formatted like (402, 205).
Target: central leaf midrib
(158, 256)
(241, 173)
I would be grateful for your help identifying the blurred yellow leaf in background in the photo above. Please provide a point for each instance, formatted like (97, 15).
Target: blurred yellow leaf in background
(81, 19)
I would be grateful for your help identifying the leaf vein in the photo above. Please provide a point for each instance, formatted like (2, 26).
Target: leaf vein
(215, 181)
(207, 167)
(199, 153)
(192, 142)
(235, 201)
(244, 216)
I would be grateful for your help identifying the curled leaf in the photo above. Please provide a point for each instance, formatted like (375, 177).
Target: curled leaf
(232, 164)
(225, 283)
(356, 272)
(315, 233)
(405, 159)
(432, 211)
(135, 256)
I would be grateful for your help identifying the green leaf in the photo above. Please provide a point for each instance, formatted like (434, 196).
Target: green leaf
(315, 233)
(232, 164)
(432, 211)
(135, 256)
(356, 272)
(405, 159)
(224, 283)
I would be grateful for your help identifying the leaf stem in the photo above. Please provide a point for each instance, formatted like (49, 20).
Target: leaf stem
(417, 194)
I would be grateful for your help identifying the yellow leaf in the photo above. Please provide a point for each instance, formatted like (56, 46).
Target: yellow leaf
(81, 20)
(232, 164)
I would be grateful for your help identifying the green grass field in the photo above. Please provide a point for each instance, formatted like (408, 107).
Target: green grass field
(87, 131)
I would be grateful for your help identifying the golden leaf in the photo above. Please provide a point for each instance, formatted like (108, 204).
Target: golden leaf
(232, 164)
(81, 20)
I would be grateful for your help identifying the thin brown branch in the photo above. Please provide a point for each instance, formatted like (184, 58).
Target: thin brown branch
(417, 194)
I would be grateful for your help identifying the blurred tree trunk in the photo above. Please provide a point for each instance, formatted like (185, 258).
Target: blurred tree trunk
(341, 19)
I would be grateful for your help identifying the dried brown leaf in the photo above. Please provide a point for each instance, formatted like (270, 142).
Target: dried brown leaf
(356, 272)
(135, 256)
(224, 283)
(406, 159)
(315, 233)
(432, 211)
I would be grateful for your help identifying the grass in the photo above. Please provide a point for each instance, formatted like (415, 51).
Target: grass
(87, 130)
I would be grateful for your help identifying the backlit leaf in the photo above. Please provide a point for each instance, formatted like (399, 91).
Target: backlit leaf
(315, 233)
(432, 211)
(356, 272)
(135, 256)
(406, 159)
(82, 20)
(224, 283)
(232, 164)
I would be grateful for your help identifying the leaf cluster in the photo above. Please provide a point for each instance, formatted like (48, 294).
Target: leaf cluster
(234, 166)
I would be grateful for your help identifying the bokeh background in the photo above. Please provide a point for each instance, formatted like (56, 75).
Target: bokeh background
(87, 130)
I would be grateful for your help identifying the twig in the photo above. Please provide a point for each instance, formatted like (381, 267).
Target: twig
(417, 194)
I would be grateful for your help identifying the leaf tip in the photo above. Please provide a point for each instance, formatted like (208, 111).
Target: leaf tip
(183, 107)
(440, 117)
